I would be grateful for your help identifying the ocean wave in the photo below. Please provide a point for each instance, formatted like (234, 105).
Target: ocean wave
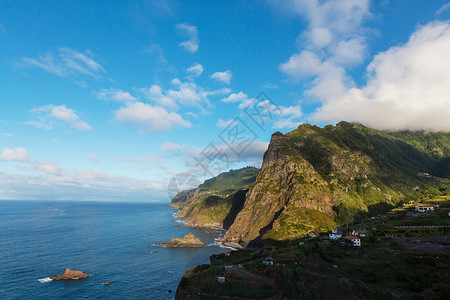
(43, 280)
(221, 245)
(177, 218)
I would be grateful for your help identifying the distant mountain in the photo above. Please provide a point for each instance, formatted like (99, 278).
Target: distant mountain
(216, 202)
(314, 179)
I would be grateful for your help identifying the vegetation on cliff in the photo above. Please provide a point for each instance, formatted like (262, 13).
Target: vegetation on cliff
(217, 201)
(314, 179)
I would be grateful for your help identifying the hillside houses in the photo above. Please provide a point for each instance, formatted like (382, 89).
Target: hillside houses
(337, 233)
(356, 241)
(425, 207)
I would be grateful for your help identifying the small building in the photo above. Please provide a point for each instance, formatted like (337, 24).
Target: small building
(423, 207)
(220, 279)
(356, 241)
(334, 236)
(227, 253)
(337, 230)
(268, 261)
(313, 234)
(228, 267)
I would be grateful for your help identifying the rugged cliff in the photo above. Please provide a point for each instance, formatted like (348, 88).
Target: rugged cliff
(316, 178)
(217, 201)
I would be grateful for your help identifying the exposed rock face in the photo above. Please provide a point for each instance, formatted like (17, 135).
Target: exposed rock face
(313, 179)
(69, 274)
(188, 240)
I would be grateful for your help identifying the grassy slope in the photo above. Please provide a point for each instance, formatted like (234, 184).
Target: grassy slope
(380, 269)
(354, 170)
(212, 201)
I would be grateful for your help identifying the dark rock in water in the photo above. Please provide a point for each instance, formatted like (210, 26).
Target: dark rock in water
(69, 274)
(188, 240)
(107, 282)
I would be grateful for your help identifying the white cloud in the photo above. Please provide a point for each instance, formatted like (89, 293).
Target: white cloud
(408, 86)
(48, 115)
(290, 117)
(335, 37)
(155, 94)
(223, 124)
(169, 147)
(241, 98)
(48, 167)
(92, 174)
(224, 77)
(15, 154)
(147, 117)
(299, 65)
(50, 181)
(115, 95)
(196, 70)
(443, 8)
(188, 94)
(191, 32)
(68, 62)
(330, 21)
(185, 94)
(86, 184)
(253, 151)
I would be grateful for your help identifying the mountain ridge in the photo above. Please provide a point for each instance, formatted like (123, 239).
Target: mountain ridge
(313, 179)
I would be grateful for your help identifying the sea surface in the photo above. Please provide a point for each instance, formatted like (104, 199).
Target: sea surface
(109, 241)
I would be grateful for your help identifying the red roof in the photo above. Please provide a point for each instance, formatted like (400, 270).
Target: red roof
(351, 237)
(424, 205)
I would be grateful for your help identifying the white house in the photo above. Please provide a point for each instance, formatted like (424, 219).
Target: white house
(356, 241)
(423, 207)
(334, 236)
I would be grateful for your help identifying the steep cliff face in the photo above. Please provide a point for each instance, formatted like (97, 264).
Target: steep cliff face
(217, 201)
(316, 178)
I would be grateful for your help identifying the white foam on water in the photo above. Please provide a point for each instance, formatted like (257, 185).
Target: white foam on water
(177, 218)
(43, 280)
(221, 245)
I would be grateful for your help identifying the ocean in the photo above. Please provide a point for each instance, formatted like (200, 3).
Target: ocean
(109, 241)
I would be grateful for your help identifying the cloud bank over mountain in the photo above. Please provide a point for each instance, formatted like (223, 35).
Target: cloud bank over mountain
(407, 87)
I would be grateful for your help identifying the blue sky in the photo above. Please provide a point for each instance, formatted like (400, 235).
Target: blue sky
(110, 100)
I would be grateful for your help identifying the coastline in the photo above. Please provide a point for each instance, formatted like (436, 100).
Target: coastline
(179, 219)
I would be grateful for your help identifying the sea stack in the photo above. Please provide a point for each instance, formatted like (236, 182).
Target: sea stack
(188, 240)
(69, 274)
